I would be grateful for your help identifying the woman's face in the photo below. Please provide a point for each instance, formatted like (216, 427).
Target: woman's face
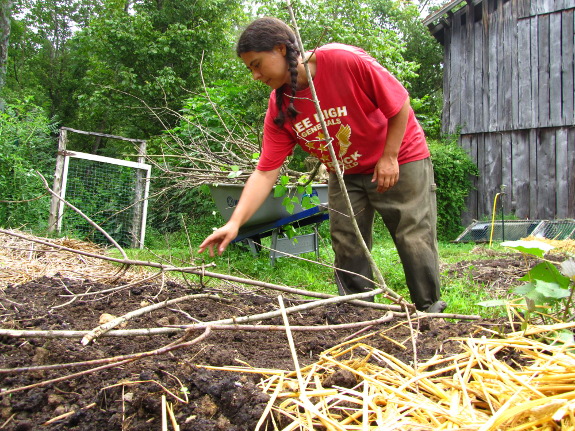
(269, 67)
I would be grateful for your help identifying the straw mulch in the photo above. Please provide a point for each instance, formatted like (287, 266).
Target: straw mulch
(22, 260)
(561, 246)
(475, 390)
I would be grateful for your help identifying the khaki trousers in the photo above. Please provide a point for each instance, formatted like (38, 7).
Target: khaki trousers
(409, 212)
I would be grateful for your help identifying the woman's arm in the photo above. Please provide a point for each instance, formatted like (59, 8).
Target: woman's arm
(256, 190)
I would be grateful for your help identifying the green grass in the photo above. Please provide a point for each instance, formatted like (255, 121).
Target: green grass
(461, 292)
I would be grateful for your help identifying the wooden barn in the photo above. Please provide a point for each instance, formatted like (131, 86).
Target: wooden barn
(509, 96)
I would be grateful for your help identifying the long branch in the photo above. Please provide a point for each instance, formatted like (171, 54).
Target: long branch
(135, 357)
(102, 329)
(199, 271)
(318, 328)
(53, 333)
(338, 172)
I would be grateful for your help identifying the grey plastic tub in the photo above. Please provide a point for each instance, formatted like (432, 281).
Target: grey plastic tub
(226, 197)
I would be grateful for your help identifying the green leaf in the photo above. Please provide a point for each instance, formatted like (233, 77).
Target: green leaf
(279, 191)
(546, 271)
(493, 303)
(284, 180)
(551, 290)
(288, 204)
(291, 233)
(535, 248)
(564, 336)
(525, 289)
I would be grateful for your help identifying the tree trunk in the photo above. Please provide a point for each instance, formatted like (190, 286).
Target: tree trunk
(5, 13)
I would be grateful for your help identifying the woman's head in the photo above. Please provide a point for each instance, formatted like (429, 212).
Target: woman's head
(270, 41)
(264, 34)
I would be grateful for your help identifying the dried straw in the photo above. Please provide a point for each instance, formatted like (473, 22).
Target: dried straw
(22, 261)
(472, 390)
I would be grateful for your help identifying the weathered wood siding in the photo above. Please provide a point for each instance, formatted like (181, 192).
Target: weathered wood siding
(536, 165)
(509, 92)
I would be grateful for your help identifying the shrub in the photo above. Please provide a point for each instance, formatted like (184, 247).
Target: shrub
(453, 171)
(26, 146)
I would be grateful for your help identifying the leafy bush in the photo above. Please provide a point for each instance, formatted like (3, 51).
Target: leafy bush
(453, 171)
(26, 146)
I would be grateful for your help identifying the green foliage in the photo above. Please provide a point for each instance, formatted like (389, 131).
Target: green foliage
(347, 22)
(428, 113)
(104, 192)
(26, 146)
(453, 170)
(420, 47)
(548, 291)
(118, 67)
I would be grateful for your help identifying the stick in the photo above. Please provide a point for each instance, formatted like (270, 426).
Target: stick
(337, 169)
(96, 332)
(131, 358)
(202, 272)
(164, 415)
(65, 415)
(88, 219)
(198, 271)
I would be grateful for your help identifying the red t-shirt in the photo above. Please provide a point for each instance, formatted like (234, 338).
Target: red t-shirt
(357, 95)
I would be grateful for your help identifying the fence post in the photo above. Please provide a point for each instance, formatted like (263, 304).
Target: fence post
(137, 221)
(55, 203)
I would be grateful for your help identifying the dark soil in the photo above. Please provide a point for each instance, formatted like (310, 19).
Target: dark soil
(128, 397)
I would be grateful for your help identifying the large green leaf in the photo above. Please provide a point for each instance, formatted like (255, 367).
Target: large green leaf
(535, 248)
(547, 272)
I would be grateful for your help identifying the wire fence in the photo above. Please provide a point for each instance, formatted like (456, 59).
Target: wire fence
(512, 230)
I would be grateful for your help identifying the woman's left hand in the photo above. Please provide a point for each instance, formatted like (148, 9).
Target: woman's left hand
(386, 173)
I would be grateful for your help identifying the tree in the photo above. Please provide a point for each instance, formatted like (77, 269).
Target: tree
(140, 66)
(5, 12)
(349, 22)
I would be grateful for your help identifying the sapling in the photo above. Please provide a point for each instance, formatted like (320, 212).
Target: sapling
(547, 291)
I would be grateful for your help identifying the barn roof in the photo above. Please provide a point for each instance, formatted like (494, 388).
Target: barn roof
(439, 21)
(445, 9)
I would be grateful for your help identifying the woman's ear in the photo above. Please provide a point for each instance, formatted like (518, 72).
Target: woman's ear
(281, 47)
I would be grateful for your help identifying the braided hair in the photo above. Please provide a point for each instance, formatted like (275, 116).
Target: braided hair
(264, 34)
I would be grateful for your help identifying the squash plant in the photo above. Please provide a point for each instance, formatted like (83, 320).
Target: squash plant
(548, 290)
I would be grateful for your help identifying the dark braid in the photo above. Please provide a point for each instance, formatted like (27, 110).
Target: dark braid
(264, 34)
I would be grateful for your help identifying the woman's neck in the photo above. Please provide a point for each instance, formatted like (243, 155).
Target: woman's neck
(302, 78)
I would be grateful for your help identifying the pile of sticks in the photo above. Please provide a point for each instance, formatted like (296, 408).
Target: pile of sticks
(478, 389)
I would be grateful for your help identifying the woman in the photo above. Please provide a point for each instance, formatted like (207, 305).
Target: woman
(380, 146)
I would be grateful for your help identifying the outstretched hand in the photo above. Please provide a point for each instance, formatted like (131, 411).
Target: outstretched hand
(219, 240)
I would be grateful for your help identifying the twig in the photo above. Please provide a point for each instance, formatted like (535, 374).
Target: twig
(413, 341)
(164, 414)
(15, 333)
(202, 272)
(96, 332)
(170, 409)
(88, 219)
(114, 289)
(162, 350)
(67, 414)
(7, 421)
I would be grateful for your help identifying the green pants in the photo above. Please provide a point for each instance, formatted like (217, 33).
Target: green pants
(409, 212)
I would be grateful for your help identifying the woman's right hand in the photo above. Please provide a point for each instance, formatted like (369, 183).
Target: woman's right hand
(256, 191)
(220, 239)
